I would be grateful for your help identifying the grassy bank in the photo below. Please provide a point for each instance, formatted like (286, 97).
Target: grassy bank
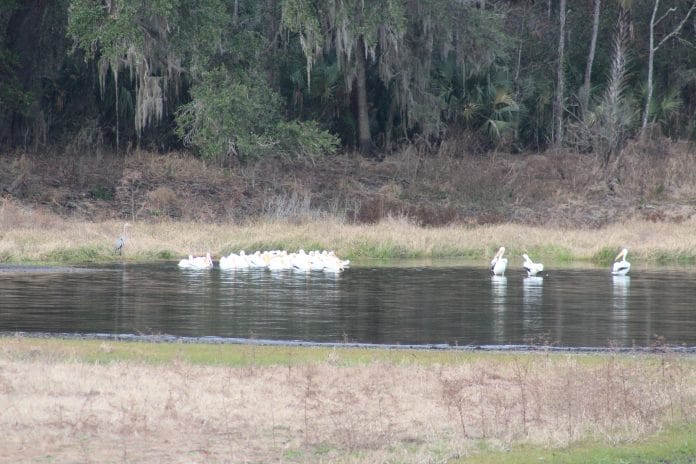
(675, 445)
(559, 208)
(105, 401)
(34, 236)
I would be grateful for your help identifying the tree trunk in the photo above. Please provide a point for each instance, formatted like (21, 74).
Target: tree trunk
(389, 124)
(585, 91)
(651, 63)
(651, 55)
(560, 79)
(115, 70)
(365, 144)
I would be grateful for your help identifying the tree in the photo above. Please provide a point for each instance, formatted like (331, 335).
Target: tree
(416, 56)
(560, 78)
(353, 30)
(12, 96)
(587, 81)
(202, 63)
(32, 51)
(236, 114)
(614, 116)
(458, 71)
(374, 73)
(156, 42)
(653, 48)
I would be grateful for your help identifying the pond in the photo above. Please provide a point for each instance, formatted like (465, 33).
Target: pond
(409, 305)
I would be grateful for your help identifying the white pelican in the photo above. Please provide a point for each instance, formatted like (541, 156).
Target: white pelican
(498, 263)
(197, 262)
(621, 267)
(280, 261)
(258, 259)
(301, 261)
(343, 262)
(234, 261)
(332, 263)
(185, 263)
(531, 267)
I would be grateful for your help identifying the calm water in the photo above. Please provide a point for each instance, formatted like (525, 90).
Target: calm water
(455, 305)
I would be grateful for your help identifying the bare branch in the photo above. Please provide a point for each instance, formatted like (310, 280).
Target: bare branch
(671, 10)
(685, 42)
(679, 26)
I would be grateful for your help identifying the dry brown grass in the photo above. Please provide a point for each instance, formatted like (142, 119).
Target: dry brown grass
(653, 181)
(557, 206)
(67, 410)
(29, 234)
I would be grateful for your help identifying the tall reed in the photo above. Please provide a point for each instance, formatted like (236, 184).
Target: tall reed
(35, 236)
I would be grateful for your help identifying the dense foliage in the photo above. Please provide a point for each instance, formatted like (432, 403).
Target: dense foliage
(249, 78)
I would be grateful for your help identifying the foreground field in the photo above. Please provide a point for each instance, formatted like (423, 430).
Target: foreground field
(98, 401)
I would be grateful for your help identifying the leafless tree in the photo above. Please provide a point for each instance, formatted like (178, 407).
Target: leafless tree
(654, 22)
(585, 90)
(560, 78)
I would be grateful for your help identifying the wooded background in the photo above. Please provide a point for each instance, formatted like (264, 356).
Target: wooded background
(245, 79)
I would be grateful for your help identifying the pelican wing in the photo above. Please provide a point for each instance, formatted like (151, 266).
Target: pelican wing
(500, 266)
(621, 267)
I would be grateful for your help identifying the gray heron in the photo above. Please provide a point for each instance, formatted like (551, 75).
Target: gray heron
(121, 242)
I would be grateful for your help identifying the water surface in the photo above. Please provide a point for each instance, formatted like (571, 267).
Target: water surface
(455, 305)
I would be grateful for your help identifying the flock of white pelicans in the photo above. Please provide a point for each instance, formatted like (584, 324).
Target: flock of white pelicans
(315, 260)
(499, 264)
(328, 261)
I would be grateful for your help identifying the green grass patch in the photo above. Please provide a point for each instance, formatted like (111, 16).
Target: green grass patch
(7, 257)
(80, 254)
(107, 351)
(288, 245)
(453, 251)
(381, 250)
(245, 355)
(676, 445)
(665, 257)
(165, 254)
(605, 256)
(553, 253)
(85, 255)
(146, 256)
(309, 246)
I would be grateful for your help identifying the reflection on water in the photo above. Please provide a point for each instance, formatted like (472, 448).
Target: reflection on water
(620, 287)
(499, 306)
(619, 304)
(394, 305)
(532, 299)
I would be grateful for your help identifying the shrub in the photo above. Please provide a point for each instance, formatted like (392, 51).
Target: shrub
(240, 116)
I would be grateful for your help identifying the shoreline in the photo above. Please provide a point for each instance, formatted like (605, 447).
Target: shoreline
(443, 347)
(32, 237)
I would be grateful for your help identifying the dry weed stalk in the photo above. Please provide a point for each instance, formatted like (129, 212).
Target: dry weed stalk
(382, 410)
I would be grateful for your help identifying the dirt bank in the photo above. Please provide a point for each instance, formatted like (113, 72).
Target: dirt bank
(655, 182)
